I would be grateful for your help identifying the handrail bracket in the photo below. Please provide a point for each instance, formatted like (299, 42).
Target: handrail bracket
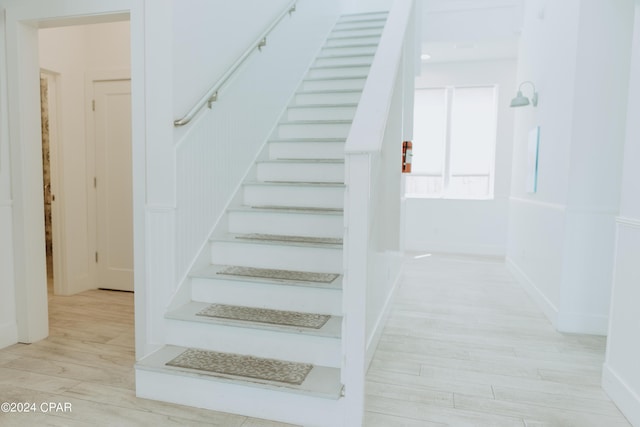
(213, 98)
(292, 9)
(262, 43)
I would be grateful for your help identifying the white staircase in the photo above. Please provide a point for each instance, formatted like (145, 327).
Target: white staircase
(280, 256)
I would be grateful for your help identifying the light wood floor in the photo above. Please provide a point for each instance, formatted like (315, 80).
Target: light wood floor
(464, 346)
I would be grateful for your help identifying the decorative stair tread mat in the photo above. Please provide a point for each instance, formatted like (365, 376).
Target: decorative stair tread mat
(242, 366)
(263, 315)
(298, 276)
(293, 239)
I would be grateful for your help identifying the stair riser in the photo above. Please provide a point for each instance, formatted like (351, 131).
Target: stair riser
(368, 32)
(329, 98)
(321, 113)
(300, 258)
(372, 21)
(342, 41)
(313, 130)
(349, 50)
(301, 172)
(363, 16)
(340, 61)
(249, 401)
(347, 84)
(295, 196)
(298, 224)
(306, 150)
(303, 299)
(292, 347)
(337, 72)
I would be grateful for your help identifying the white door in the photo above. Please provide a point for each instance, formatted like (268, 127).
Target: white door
(113, 184)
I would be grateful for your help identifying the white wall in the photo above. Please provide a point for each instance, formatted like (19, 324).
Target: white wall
(468, 226)
(75, 54)
(207, 42)
(621, 375)
(561, 238)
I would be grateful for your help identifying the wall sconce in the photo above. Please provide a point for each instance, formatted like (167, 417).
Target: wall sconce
(520, 100)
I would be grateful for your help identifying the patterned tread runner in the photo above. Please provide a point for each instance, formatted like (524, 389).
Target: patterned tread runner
(293, 239)
(263, 315)
(289, 275)
(242, 366)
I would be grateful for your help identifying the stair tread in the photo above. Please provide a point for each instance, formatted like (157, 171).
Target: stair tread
(321, 79)
(346, 55)
(351, 15)
(345, 105)
(294, 183)
(282, 240)
(310, 161)
(321, 381)
(305, 139)
(336, 66)
(324, 91)
(322, 325)
(371, 27)
(320, 121)
(287, 209)
(350, 46)
(270, 276)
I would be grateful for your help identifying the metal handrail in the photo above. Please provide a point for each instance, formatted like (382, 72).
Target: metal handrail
(212, 94)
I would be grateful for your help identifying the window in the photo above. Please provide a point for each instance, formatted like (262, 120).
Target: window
(454, 143)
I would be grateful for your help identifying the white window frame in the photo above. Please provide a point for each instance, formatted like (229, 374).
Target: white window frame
(446, 170)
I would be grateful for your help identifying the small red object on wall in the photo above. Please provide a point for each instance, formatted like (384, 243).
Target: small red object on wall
(407, 154)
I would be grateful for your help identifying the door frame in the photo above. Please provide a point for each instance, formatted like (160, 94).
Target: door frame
(20, 35)
(57, 190)
(90, 138)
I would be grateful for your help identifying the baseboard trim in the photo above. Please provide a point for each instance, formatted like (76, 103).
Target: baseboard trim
(8, 334)
(580, 323)
(625, 398)
(549, 309)
(484, 250)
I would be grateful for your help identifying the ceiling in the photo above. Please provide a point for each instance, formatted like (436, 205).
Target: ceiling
(464, 30)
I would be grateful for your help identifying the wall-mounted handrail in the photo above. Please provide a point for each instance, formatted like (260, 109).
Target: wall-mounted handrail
(212, 94)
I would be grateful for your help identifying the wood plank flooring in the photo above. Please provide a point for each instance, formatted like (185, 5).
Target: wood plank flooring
(464, 346)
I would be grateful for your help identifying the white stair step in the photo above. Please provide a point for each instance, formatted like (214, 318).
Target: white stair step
(306, 149)
(233, 250)
(361, 23)
(350, 83)
(343, 60)
(294, 194)
(355, 17)
(355, 49)
(321, 170)
(346, 40)
(333, 97)
(314, 128)
(247, 220)
(343, 71)
(294, 344)
(316, 402)
(369, 31)
(322, 112)
(208, 285)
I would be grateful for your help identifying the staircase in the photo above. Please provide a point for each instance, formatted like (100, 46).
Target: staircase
(261, 335)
